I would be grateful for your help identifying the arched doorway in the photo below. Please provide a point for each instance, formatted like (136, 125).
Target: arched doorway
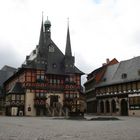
(102, 107)
(124, 108)
(113, 105)
(107, 104)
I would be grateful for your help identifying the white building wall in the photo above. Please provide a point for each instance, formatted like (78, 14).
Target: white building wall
(29, 104)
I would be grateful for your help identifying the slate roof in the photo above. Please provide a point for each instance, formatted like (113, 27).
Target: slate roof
(17, 89)
(113, 74)
(5, 73)
(49, 57)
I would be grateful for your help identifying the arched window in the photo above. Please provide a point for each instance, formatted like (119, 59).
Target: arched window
(102, 107)
(113, 104)
(107, 106)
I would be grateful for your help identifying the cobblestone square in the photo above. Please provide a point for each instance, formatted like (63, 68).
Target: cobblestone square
(44, 128)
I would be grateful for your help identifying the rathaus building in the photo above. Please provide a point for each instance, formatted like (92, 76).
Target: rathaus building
(47, 82)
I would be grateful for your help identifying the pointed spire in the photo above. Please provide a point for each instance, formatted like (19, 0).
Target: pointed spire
(41, 39)
(68, 43)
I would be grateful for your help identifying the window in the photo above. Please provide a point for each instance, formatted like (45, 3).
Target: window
(54, 81)
(124, 76)
(104, 79)
(40, 77)
(13, 97)
(58, 81)
(50, 81)
(22, 97)
(54, 65)
(37, 94)
(134, 102)
(18, 97)
(51, 48)
(41, 94)
(71, 79)
(67, 79)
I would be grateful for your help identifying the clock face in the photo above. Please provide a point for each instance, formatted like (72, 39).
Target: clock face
(51, 48)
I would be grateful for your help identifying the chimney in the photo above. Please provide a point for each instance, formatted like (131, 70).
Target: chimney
(107, 61)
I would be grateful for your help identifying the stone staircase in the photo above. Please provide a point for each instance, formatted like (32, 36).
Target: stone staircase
(56, 110)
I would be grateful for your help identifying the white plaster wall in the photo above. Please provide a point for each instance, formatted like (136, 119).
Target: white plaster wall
(134, 113)
(29, 102)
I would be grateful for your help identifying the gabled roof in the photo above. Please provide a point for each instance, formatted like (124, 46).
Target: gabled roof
(98, 74)
(8, 68)
(113, 74)
(55, 60)
(49, 57)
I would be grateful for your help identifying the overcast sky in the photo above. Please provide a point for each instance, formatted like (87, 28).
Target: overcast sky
(99, 29)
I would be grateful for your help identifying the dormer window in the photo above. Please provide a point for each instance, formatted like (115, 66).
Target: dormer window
(51, 48)
(104, 79)
(124, 76)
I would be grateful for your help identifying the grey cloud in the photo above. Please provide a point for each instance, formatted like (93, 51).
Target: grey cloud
(9, 56)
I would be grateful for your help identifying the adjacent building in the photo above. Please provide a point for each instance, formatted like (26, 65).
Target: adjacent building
(115, 89)
(5, 73)
(47, 83)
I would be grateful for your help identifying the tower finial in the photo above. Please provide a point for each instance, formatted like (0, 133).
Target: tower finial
(42, 15)
(68, 21)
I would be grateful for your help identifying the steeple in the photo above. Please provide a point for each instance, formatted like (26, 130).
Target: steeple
(69, 59)
(41, 39)
(68, 43)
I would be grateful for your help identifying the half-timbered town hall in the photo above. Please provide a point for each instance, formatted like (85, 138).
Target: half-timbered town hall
(47, 82)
